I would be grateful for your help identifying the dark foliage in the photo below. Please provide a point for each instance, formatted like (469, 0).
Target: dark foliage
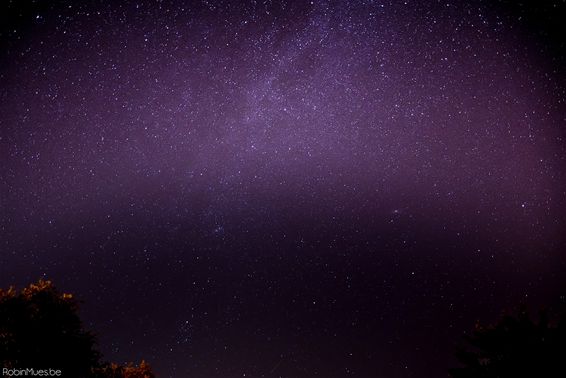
(517, 346)
(40, 328)
(128, 371)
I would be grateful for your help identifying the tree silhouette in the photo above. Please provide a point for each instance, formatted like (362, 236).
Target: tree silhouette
(515, 347)
(128, 371)
(40, 329)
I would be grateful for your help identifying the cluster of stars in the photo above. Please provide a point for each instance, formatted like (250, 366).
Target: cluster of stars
(281, 188)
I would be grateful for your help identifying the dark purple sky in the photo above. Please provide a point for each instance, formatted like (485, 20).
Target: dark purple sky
(293, 189)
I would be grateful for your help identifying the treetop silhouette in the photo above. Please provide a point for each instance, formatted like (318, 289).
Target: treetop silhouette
(40, 328)
(516, 346)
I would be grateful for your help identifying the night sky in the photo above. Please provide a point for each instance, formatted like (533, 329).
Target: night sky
(285, 189)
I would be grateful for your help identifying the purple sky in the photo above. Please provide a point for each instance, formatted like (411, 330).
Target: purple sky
(290, 189)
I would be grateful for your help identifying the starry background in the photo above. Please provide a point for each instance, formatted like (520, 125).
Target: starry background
(285, 189)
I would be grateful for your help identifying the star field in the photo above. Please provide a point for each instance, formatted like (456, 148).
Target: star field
(283, 189)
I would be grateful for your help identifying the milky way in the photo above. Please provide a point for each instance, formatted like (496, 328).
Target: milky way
(289, 189)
